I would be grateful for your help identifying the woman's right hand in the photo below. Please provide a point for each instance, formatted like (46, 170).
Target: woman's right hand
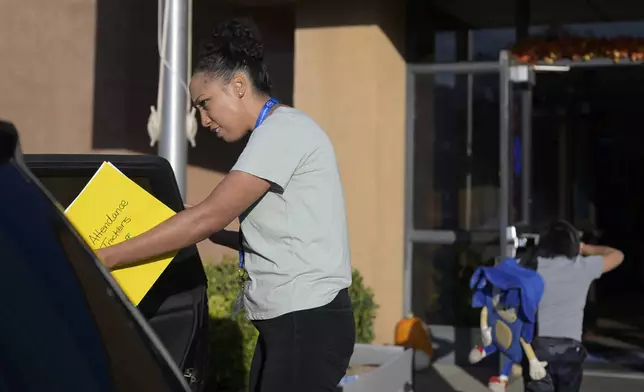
(227, 238)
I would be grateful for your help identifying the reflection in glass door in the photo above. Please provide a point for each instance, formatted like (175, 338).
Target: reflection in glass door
(458, 182)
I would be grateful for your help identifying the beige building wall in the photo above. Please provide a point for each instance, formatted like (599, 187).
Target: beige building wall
(350, 77)
(46, 72)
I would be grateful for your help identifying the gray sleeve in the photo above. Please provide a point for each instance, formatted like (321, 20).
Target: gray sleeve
(274, 153)
(593, 266)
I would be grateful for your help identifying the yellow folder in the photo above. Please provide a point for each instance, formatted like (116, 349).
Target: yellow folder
(112, 208)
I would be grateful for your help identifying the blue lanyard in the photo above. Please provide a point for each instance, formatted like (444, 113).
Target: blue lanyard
(265, 109)
(260, 119)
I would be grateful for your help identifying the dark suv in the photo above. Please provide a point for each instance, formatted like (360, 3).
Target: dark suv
(65, 325)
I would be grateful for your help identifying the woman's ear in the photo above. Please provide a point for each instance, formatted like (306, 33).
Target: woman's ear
(240, 85)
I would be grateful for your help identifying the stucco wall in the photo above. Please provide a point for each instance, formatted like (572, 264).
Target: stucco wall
(350, 76)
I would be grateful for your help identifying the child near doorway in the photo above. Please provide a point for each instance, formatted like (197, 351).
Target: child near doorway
(568, 267)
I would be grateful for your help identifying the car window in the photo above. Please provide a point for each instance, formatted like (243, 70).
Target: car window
(64, 325)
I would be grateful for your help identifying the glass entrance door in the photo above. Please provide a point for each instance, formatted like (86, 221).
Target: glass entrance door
(466, 157)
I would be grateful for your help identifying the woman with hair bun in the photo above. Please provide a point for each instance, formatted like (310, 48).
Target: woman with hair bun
(286, 190)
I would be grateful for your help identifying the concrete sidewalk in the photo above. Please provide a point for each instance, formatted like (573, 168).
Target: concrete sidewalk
(450, 378)
(447, 378)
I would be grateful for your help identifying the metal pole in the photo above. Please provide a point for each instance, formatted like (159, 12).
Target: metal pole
(409, 191)
(172, 141)
(461, 67)
(563, 194)
(470, 133)
(504, 160)
(504, 151)
(522, 18)
(526, 147)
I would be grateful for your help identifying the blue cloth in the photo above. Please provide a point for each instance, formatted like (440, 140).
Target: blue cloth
(519, 288)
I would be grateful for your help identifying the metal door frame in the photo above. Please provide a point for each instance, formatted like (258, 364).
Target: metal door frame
(509, 74)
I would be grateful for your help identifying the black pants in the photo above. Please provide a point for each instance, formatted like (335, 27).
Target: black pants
(565, 368)
(308, 350)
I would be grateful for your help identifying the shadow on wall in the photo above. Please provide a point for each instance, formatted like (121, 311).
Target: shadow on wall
(127, 71)
(421, 19)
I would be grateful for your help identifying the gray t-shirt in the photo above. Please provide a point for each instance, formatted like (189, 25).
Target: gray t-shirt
(295, 237)
(561, 310)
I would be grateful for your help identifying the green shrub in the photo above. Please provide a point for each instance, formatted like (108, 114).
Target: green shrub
(364, 308)
(232, 340)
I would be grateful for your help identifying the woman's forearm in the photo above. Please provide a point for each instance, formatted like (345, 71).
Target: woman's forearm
(227, 238)
(183, 229)
(234, 194)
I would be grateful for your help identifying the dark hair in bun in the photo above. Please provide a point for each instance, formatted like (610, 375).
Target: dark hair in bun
(233, 47)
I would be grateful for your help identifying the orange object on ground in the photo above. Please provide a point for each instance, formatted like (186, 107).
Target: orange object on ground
(411, 332)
